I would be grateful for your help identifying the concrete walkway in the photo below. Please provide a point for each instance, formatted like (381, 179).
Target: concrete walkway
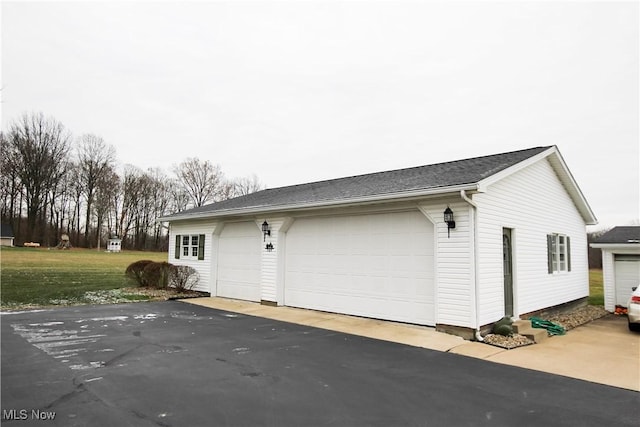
(603, 351)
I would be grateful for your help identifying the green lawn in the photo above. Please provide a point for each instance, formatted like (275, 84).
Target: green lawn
(41, 276)
(596, 288)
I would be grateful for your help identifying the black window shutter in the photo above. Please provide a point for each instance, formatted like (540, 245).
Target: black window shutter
(568, 254)
(177, 248)
(201, 247)
(550, 253)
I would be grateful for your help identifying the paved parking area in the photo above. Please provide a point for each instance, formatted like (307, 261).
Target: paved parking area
(603, 351)
(173, 363)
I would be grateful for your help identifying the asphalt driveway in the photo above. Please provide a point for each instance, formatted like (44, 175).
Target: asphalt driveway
(177, 364)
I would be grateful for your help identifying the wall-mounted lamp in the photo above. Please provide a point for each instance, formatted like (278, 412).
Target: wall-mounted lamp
(448, 218)
(266, 231)
(269, 246)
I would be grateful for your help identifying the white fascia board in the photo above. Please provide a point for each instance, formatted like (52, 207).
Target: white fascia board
(564, 174)
(405, 195)
(560, 166)
(615, 246)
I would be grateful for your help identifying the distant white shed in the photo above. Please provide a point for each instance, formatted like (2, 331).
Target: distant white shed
(6, 237)
(114, 244)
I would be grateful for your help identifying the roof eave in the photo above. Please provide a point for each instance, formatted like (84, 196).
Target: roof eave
(615, 245)
(399, 196)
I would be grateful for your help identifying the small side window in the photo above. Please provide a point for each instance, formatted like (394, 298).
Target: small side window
(190, 246)
(558, 253)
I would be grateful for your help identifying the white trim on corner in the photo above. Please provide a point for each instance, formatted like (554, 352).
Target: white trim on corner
(215, 250)
(281, 259)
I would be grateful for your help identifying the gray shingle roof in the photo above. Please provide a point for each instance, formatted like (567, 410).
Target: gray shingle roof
(440, 175)
(623, 234)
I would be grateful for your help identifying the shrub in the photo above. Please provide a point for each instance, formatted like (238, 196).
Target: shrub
(183, 277)
(503, 327)
(156, 274)
(135, 272)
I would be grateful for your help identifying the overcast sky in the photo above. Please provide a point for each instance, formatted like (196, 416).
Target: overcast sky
(301, 91)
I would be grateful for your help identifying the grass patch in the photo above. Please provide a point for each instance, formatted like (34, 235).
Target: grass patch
(596, 287)
(39, 276)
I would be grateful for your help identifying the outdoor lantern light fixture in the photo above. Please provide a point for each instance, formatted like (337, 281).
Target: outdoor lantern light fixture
(266, 231)
(448, 218)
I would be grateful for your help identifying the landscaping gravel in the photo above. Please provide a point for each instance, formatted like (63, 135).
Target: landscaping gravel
(568, 321)
(579, 316)
(509, 342)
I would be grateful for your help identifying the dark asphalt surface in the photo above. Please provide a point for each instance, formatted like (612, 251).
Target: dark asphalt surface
(176, 364)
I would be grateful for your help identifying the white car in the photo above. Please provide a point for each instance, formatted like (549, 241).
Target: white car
(633, 310)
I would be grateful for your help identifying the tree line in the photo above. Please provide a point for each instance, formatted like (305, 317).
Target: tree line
(54, 183)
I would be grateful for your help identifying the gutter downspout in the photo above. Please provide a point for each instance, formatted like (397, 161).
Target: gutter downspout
(474, 223)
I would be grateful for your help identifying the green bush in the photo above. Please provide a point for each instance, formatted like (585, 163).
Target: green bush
(503, 327)
(135, 272)
(183, 277)
(162, 274)
(505, 330)
(156, 274)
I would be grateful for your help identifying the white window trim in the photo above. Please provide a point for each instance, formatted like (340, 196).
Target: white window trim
(192, 247)
(559, 256)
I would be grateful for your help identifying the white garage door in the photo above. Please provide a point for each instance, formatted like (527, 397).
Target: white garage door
(627, 271)
(378, 266)
(239, 251)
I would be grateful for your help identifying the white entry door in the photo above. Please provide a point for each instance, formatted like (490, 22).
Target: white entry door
(239, 254)
(377, 265)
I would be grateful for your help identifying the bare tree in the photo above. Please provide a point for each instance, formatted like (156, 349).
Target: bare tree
(60, 205)
(247, 185)
(201, 180)
(107, 187)
(131, 194)
(38, 148)
(179, 198)
(161, 202)
(10, 186)
(76, 189)
(96, 159)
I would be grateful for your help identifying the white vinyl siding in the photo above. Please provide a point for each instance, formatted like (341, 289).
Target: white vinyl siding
(272, 265)
(203, 267)
(533, 203)
(453, 263)
(608, 278)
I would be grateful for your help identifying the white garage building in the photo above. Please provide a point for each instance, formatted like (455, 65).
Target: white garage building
(620, 264)
(456, 245)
